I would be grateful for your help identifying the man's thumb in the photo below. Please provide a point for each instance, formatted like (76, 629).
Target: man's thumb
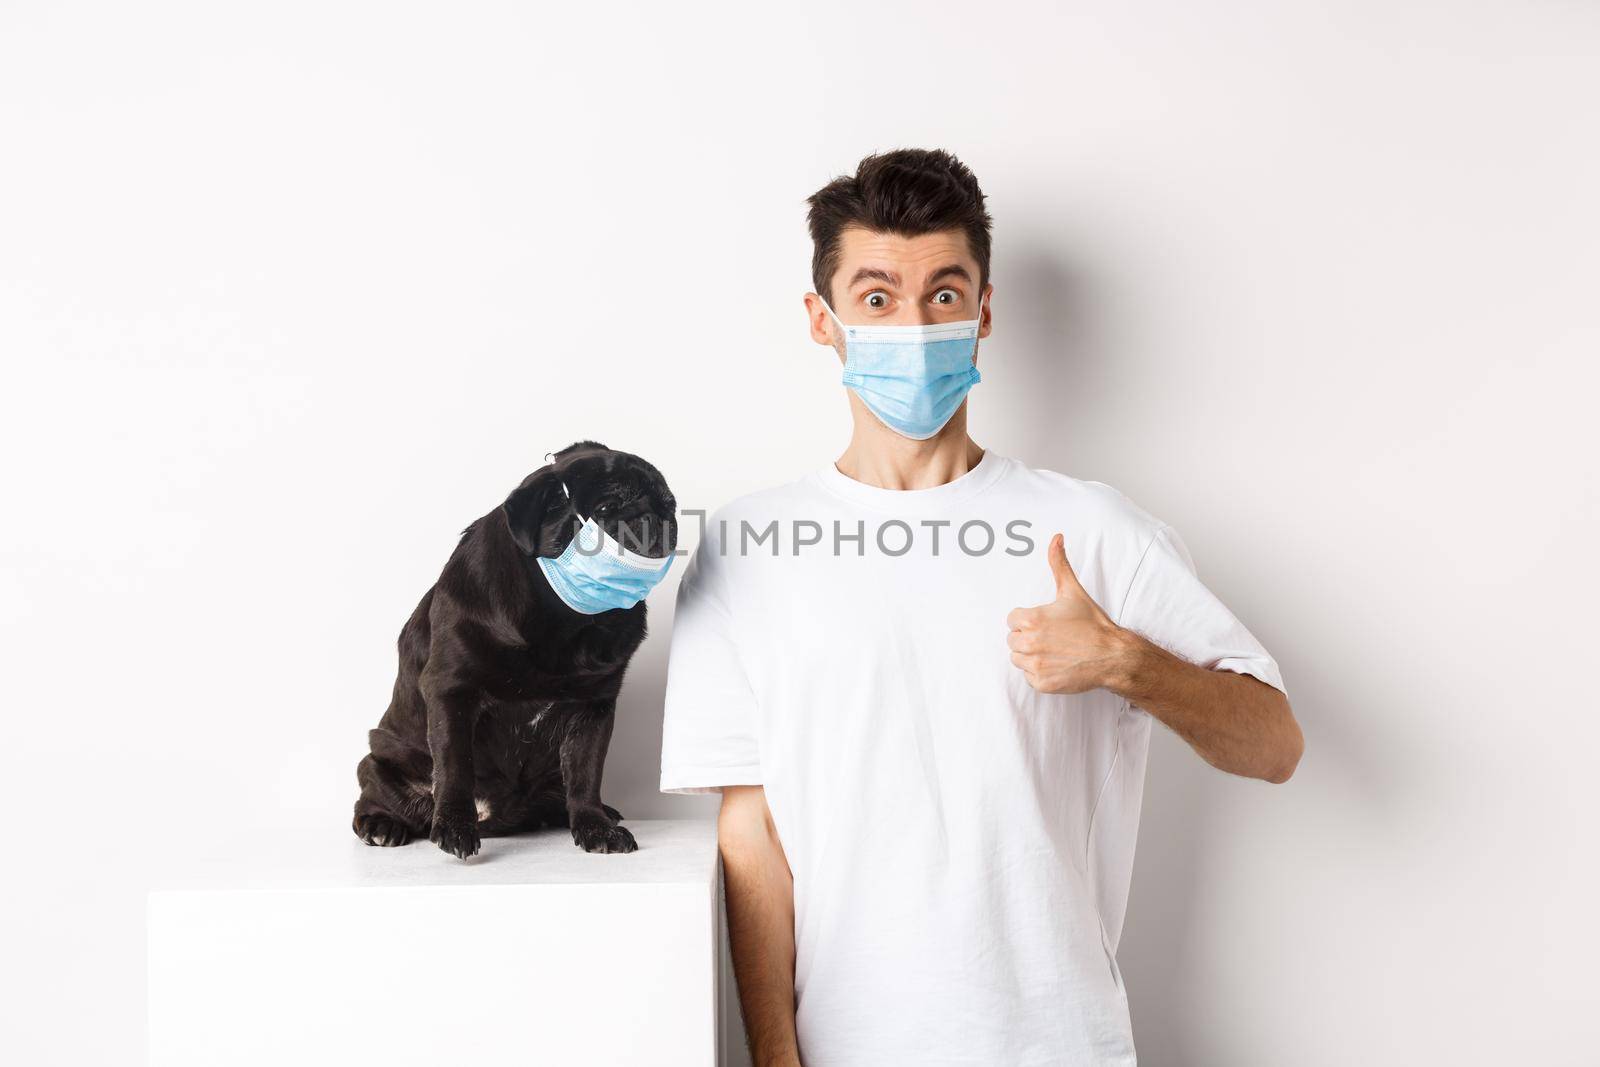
(1066, 580)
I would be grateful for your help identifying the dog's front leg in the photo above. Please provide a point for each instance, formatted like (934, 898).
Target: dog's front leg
(583, 758)
(452, 714)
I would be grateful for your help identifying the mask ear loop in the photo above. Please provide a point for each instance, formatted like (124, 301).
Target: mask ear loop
(581, 523)
(849, 354)
(977, 328)
(836, 318)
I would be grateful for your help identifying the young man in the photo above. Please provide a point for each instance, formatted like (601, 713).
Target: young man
(923, 679)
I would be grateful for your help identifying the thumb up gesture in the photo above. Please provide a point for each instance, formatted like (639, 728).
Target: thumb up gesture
(1068, 645)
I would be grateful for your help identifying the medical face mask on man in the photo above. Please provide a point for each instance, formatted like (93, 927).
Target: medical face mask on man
(912, 377)
(594, 573)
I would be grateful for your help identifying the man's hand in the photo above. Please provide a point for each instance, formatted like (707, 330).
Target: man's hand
(1235, 722)
(1068, 645)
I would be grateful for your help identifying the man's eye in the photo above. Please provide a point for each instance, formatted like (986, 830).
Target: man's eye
(877, 300)
(946, 296)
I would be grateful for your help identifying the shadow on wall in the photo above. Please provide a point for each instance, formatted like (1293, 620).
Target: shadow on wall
(1048, 371)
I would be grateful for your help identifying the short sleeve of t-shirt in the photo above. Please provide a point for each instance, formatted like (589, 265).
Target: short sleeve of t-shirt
(708, 735)
(1168, 604)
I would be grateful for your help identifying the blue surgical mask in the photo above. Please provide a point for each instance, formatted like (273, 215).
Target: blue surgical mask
(912, 377)
(594, 573)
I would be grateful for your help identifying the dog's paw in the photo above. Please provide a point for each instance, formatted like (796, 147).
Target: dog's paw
(382, 830)
(456, 834)
(616, 816)
(595, 834)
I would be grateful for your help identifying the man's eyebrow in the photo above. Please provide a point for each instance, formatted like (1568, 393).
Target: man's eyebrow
(954, 270)
(873, 272)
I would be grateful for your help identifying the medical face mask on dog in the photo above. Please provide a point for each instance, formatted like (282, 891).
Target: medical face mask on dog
(912, 377)
(594, 573)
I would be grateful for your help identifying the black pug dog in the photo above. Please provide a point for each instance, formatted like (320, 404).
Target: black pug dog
(503, 708)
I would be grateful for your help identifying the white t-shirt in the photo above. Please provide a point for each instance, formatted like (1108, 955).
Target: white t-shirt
(961, 844)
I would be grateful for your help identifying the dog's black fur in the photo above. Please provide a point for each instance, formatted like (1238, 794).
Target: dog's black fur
(503, 707)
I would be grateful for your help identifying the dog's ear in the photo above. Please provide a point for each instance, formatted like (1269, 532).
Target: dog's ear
(580, 446)
(527, 506)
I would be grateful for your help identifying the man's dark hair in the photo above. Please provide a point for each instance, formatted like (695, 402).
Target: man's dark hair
(909, 192)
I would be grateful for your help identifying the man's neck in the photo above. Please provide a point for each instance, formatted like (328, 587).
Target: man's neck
(879, 457)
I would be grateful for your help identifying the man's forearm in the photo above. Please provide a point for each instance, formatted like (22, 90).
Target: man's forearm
(1235, 722)
(759, 889)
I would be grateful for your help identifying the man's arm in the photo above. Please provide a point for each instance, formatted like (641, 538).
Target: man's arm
(1235, 722)
(759, 888)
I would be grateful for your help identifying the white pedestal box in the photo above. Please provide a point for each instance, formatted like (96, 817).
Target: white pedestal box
(533, 952)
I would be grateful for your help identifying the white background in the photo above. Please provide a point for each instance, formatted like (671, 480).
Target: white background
(290, 294)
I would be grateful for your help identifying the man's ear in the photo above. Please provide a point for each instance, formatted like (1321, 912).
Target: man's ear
(526, 507)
